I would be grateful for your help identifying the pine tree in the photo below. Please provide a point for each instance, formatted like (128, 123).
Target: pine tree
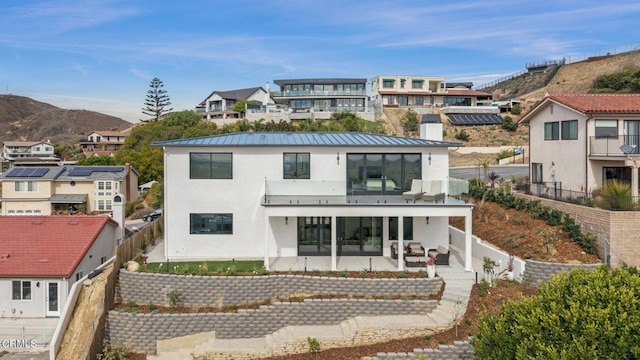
(157, 101)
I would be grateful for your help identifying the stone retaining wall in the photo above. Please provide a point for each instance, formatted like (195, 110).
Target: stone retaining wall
(458, 350)
(145, 288)
(539, 271)
(141, 331)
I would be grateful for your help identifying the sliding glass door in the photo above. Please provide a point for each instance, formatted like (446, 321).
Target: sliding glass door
(382, 174)
(314, 236)
(359, 236)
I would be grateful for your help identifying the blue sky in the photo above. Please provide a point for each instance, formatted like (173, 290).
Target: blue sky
(100, 55)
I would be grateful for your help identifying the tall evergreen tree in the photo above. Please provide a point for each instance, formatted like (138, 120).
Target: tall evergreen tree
(157, 101)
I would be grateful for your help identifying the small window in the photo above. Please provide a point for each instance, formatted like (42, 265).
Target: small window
(79, 275)
(388, 84)
(570, 130)
(211, 165)
(21, 290)
(296, 166)
(417, 84)
(103, 260)
(606, 128)
(536, 173)
(211, 224)
(402, 82)
(552, 130)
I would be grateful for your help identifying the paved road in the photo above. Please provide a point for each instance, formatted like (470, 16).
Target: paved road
(470, 172)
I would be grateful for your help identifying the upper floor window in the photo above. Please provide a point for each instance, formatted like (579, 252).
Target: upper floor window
(570, 130)
(22, 186)
(211, 165)
(388, 84)
(21, 290)
(296, 166)
(552, 130)
(606, 128)
(416, 84)
(402, 82)
(211, 224)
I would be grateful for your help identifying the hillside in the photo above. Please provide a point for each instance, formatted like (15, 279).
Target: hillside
(25, 119)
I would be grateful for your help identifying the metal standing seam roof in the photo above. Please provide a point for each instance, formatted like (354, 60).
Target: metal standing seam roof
(343, 139)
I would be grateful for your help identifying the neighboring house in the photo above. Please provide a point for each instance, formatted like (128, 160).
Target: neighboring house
(422, 91)
(322, 95)
(29, 152)
(458, 85)
(579, 141)
(56, 189)
(101, 143)
(219, 104)
(270, 195)
(42, 256)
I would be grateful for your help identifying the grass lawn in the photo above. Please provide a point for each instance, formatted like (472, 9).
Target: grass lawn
(204, 267)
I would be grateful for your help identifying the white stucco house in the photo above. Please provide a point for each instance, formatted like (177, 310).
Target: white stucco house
(42, 256)
(579, 141)
(270, 195)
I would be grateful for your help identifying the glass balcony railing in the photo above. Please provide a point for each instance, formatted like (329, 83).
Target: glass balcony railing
(293, 93)
(309, 192)
(614, 145)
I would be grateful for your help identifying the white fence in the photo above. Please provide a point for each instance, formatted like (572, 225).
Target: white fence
(480, 249)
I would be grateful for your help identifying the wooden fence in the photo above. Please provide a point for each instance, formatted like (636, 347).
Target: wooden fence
(128, 250)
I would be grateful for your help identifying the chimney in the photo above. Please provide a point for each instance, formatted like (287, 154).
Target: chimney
(127, 180)
(118, 216)
(267, 88)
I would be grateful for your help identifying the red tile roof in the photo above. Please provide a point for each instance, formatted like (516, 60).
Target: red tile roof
(47, 246)
(600, 103)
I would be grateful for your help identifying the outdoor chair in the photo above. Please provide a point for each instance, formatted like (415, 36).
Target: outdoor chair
(432, 190)
(440, 254)
(416, 191)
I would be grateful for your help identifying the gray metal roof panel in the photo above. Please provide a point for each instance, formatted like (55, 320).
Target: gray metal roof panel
(305, 139)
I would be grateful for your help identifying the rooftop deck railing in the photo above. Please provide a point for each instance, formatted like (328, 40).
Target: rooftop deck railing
(320, 93)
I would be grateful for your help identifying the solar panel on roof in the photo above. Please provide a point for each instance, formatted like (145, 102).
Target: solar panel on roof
(88, 170)
(26, 172)
(475, 119)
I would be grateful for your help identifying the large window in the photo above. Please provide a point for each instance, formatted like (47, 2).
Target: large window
(296, 166)
(570, 130)
(419, 100)
(536, 172)
(416, 84)
(21, 290)
(407, 228)
(388, 84)
(457, 101)
(606, 128)
(211, 165)
(621, 174)
(403, 100)
(211, 224)
(22, 186)
(382, 174)
(552, 130)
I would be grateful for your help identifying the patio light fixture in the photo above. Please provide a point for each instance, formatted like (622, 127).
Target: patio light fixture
(427, 220)
(429, 158)
(286, 220)
(338, 158)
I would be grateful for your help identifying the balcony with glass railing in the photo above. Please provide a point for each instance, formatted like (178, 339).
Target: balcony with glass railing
(298, 93)
(332, 192)
(614, 145)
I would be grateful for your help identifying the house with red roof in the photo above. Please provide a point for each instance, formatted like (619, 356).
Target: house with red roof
(580, 141)
(42, 256)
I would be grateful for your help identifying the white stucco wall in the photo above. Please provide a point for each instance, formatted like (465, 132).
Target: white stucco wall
(242, 196)
(568, 158)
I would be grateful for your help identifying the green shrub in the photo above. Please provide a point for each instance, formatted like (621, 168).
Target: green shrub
(516, 109)
(508, 124)
(462, 135)
(584, 314)
(129, 209)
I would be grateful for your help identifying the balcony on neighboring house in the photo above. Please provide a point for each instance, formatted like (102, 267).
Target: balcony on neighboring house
(614, 146)
(298, 93)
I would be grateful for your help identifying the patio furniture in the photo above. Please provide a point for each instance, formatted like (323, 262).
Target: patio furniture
(394, 250)
(432, 190)
(441, 254)
(415, 261)
(415, 249)
(416, 191)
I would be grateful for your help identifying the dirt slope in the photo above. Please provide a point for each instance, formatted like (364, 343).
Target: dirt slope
(24, 119)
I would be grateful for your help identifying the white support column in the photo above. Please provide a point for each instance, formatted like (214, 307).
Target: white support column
(400, 243)
(468, 266)
(266, 243)
(633, 163)
(334, 244)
